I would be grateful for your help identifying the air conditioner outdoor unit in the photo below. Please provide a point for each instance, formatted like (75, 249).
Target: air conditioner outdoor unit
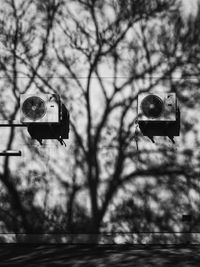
(158, 115)
(39, 108)
(157, 107)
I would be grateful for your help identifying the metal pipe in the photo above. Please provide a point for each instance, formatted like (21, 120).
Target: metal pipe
(11, 124)
(10, 153)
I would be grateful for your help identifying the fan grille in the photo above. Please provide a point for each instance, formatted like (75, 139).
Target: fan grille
(34, 108)
(152, 106)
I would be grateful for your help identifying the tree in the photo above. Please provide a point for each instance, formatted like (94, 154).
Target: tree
(99, 55)
(136, 49)
(26, 28)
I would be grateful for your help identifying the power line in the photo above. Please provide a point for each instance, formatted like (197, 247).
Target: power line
(108, 77)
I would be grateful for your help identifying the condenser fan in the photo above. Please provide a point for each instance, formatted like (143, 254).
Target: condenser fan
(34, 108)
(152, 106)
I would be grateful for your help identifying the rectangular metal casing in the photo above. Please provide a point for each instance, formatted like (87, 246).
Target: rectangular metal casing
(169, 110)
(51, 106)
